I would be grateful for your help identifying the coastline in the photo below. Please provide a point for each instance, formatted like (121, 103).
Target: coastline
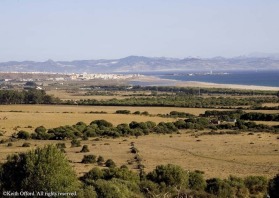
(228, 86)
(156, 81)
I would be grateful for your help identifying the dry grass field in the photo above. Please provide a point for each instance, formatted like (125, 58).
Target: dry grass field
(270, 123)
(217, 156)
(22, 116)
(270, 104)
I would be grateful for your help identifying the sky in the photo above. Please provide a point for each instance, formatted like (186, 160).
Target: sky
(67, 30)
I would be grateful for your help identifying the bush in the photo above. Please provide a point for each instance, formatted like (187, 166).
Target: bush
(114, 188)
(41, 134)
(44, 169)
(26, 144)
(93, 175)
(101, 123)
(238, 187)
(170, 175)
(75, 143)
(110, 163)
(134, 150)
(100, 160)
(196, 181)
(88, 159)
(123, 112)
(256, 184)
(84, 149)
(219, 187)
(145, 113)
(61, 145)
(23, 135)
(9, 144)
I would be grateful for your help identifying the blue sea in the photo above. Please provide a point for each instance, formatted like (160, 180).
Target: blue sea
(258, 78)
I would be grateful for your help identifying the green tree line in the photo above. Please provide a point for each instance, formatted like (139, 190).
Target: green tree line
(31, 96)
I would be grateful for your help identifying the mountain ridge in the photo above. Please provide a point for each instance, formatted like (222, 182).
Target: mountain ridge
(142, 64)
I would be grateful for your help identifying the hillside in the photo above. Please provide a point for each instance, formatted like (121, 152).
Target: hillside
(142, 64)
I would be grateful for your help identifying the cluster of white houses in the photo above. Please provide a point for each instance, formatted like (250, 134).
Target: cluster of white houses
(86, 76)
(65, 77)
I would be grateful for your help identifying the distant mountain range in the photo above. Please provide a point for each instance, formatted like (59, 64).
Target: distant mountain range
(144, 64)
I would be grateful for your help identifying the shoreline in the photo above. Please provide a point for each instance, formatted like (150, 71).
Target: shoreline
(228, 86)
(156, 81)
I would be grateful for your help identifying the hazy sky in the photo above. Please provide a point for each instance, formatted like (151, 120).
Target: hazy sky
(92, 29)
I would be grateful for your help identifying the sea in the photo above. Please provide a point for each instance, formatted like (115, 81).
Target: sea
(256, 77)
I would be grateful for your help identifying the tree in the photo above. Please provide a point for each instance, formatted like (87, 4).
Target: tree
(44, 169)
(171, 175)
(196, 181)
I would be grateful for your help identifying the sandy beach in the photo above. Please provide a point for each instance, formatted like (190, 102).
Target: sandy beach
(155, 81)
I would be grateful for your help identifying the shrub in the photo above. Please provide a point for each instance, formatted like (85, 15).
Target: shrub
(46, 169)
(9, 144)
(84, 149)
(123, 112)
(23, 135)
(61, 145)
(75, 143)
(170, 175)
(41, 134)
(26, 144)
(134, 150)
(114, 188)
(88, 159)
(101, 123)
(256, 184)
(196, 181)
(93, 175)
(218, 187)
(238, 186)
(124, 166)
(100, 160)
(110, 163)
(145, 113)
